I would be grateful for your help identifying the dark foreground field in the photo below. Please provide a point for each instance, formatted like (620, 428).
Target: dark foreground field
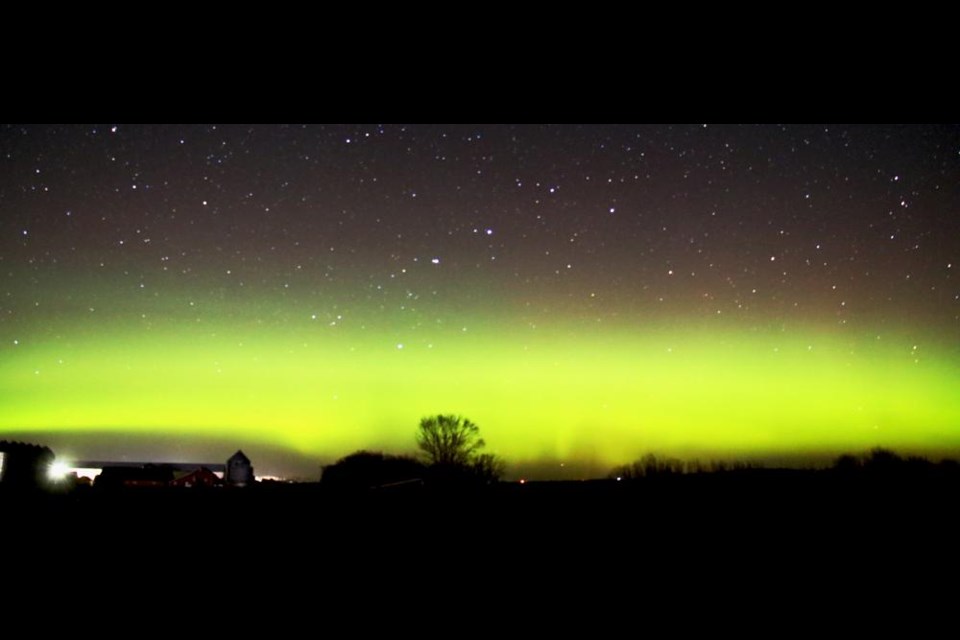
(713, 551)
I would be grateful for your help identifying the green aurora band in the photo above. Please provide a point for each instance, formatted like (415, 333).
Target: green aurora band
(564, 392)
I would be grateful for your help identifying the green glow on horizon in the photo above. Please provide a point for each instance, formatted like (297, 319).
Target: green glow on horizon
(607, 396)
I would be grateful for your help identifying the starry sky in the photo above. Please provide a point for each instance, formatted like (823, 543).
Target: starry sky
(584, 293)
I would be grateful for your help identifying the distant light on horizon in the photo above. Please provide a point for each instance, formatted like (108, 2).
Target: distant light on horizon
(86, 472)
(58, 471)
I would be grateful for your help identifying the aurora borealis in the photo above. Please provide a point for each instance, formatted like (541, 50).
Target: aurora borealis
(585, 294)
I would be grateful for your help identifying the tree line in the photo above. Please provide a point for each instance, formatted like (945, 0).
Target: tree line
(876, 462)
(451, 453)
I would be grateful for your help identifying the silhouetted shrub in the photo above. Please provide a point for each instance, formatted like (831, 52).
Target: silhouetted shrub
(847, 464)
(366, 469)
(882, 463)
(488, 468)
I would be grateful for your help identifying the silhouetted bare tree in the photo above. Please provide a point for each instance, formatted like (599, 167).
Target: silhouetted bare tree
(449, 440)
(452, 444)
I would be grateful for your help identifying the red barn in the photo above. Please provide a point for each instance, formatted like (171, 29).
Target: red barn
(201, 477)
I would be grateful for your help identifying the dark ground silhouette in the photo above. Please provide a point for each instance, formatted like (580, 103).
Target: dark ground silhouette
(747, 548)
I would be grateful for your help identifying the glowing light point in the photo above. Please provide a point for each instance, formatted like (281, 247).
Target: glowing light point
(58, 471)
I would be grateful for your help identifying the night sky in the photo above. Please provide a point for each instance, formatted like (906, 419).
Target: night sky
(584, 293)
